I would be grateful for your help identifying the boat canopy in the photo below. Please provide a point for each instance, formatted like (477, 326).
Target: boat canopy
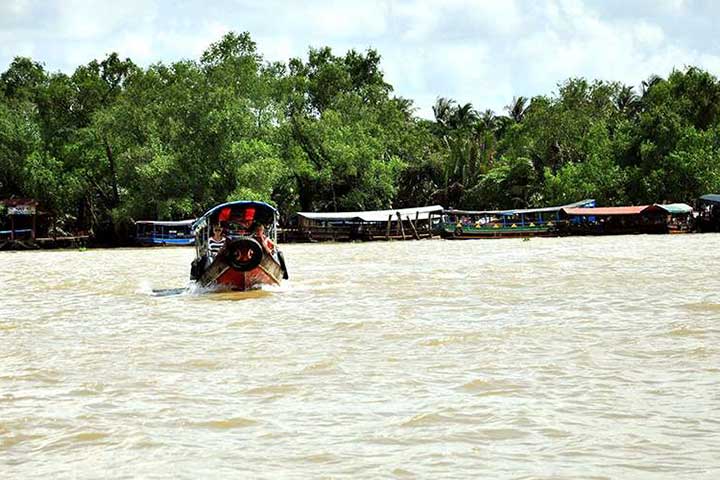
(671, 208)
(711, 198)
(255, 212)
(676, 208)
(421, 213)
(173, 223)
(589, 203)
(605, 211)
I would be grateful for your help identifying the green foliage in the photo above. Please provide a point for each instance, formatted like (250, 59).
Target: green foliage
(345, 137)
(510, 183)
(114, 142)
(690, 170)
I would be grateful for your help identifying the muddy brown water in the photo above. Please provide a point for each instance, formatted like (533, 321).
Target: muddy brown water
(549, 358)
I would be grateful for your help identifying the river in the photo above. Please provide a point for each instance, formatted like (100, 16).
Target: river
(548, 358)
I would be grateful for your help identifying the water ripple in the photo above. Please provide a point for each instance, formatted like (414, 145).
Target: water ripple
(554, 358)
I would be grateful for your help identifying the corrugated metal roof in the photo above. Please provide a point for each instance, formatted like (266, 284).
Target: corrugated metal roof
(171, 223)
(605, 211)
(423, 213)
(13, 202)
(583, 203)
(711, 197)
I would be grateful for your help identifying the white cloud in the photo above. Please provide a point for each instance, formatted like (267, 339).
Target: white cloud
(479, 51)
(650, 35)
(347, 20)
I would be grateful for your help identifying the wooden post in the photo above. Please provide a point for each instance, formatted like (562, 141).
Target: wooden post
(12, 227)
(400, 224)
(414, 229)
(387, 231)
(34, 225)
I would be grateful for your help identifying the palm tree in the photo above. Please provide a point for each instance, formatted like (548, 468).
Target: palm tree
(627, 101)
(443, 111)
(488, 120)
(463, 117)
(516, 110)
(649, 83)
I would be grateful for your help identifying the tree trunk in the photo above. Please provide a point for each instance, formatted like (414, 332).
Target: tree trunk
(113, 174)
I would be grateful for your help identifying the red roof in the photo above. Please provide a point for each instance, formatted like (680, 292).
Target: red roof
(14, 202)
(606, 211)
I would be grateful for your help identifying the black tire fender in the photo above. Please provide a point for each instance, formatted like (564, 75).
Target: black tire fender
(196, 268)
(281, 258)
(241, 244)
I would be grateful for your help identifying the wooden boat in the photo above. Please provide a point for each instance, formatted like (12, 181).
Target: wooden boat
(708, 219)
(519, 223)
(396, 224)
(679, 217)
(249, 257)
(150, 232)
(646, 219)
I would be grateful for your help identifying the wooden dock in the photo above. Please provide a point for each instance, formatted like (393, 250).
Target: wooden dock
(44, 243)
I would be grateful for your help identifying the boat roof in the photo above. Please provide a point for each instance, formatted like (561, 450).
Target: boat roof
(671, 208)
(14, 202)
(583, 203)
(606, 211)
(711, 197)
(422, 213)
(170, 223)
(264, 213)
(675, 208)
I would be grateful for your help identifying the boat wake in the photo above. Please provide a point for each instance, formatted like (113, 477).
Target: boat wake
(168, 292)
(195, 289)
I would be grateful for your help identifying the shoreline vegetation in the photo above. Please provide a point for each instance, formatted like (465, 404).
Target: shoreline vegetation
(114, 142)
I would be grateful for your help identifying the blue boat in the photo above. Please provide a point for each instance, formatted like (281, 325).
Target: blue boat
(151, 232)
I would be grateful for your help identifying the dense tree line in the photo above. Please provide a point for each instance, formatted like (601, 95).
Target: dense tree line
(114, 142)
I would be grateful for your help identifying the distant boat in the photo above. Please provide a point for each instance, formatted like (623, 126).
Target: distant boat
(709, 213)
(153, 232)
(518, 223)
(396, 224)
(648, 219)
(248, 258)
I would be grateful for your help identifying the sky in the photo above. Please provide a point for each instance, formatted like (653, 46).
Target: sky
(480, 51)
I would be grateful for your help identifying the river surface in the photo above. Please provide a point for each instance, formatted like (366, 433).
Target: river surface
(548, 358)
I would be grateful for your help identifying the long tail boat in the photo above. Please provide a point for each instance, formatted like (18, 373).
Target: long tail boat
(530, 222)
(151, 232)
(647, 219)
(709, 213)
(249, 257)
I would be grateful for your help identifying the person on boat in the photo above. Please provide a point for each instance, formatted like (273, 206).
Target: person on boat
(267, 244)
(242, 227)
(217, 241)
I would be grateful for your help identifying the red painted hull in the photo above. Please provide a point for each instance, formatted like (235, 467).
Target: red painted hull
(223, 275)
(236, 280)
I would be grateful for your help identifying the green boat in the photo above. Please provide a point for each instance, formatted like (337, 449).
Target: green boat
(519, 223)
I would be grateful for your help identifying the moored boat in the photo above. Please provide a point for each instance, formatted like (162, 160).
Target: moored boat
(151, 232)
(646, 219)
(518, 223)
(246, 256)
(709, 213)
